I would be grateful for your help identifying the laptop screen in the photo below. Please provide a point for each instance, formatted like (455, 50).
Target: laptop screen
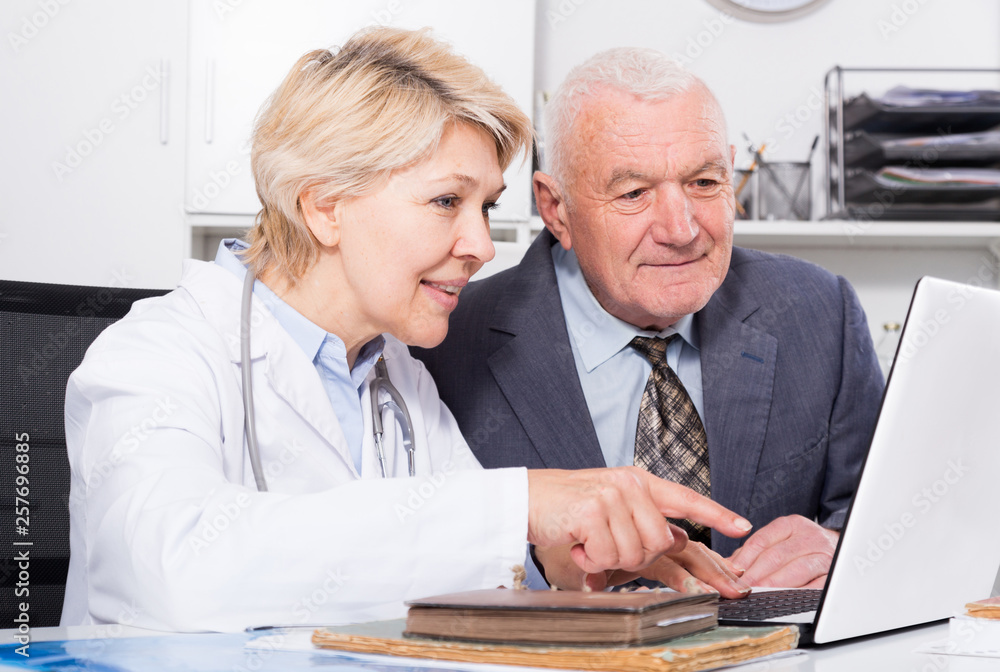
(920, 539)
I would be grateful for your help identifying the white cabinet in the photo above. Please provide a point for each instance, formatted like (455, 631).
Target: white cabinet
(241, 51)
(92, 142)
(118, 141)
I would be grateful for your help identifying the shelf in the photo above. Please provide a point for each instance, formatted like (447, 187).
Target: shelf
(862, 133)
(776, 233)
(848, 233)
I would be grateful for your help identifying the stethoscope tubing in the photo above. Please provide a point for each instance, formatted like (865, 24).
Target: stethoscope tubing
(248, 410)
(381, 382)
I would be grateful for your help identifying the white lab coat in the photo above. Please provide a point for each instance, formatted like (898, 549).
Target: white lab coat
(168, 530)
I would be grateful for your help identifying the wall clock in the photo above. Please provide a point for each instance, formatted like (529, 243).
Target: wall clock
(768, 10)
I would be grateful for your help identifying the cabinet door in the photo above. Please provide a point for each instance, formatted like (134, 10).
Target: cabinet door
(241, 51)
(91, 130)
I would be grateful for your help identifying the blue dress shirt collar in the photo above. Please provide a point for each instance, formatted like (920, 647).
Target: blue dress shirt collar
(309, 336)
(597, 334)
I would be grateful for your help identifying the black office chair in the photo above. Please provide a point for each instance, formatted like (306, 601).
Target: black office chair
(44, 332)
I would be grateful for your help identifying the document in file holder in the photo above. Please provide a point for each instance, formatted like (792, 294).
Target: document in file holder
(904, 96)
(940, 177)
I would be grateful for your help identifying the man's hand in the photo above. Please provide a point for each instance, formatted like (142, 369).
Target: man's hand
(614, 518)
(788, 552)
(696, 568)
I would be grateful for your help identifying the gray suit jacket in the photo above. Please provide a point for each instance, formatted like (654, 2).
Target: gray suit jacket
(791, 383)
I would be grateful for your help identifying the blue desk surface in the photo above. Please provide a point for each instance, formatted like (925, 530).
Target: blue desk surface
(134, 650)
(195, 653)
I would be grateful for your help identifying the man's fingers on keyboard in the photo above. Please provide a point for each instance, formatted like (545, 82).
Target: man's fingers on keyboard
(818, 582)
(796, 572)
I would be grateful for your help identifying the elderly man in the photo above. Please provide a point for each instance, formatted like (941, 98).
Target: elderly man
(633, 332)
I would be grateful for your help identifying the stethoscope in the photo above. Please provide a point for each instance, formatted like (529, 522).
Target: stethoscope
(381, 383)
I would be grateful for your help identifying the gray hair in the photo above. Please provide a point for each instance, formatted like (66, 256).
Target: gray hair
(645, 73)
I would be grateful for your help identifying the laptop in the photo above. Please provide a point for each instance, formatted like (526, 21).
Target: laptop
(920, 539)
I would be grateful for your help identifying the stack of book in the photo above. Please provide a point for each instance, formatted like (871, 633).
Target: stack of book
(614, 632)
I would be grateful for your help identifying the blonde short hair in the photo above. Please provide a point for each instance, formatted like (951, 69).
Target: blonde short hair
(342, 121)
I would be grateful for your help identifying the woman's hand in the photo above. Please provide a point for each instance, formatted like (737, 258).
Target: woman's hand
(696, 568)
(614, 518)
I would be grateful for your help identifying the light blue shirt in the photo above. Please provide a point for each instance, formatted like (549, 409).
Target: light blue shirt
(612, 373)
(343, 385)
(329, 355)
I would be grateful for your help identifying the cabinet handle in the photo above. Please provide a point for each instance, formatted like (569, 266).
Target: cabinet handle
(164, 101)
(209, 101)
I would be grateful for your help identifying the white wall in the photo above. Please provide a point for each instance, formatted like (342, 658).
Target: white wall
(763, 72)
(769, 80)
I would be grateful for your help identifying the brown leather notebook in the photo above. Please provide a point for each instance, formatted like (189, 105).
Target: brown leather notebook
(561, 617)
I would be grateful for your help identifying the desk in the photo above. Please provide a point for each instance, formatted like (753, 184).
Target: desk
(126, 651)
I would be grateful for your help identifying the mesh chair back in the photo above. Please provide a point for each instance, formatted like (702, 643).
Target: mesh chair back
(44, 332)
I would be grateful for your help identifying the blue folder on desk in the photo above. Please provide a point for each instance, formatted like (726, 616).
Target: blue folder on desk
(211, 652)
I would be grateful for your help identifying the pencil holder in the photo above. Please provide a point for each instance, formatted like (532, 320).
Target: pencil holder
(784, 191)
(747, 193)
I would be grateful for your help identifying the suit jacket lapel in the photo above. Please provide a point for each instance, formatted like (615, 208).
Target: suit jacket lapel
(535, 368)
(737, 364)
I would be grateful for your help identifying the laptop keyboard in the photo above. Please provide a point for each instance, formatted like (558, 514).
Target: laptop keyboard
(769, 604)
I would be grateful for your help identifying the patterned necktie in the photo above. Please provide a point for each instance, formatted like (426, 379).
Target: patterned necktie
(670, 440)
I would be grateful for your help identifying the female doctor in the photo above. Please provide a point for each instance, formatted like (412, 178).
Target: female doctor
(377, 166)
